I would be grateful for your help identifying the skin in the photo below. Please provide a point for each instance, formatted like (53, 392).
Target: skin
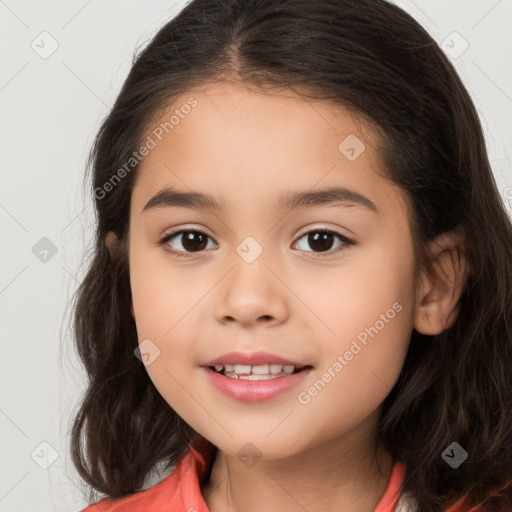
(245, 148)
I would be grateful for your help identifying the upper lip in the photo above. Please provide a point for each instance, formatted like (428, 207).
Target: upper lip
(252, 358)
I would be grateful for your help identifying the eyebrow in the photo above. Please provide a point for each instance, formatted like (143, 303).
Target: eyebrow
(169, 197)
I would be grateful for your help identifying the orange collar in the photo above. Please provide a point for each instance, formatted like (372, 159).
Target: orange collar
(181, 489)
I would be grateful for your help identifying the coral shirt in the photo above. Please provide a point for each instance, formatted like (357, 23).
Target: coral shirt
(181, 492)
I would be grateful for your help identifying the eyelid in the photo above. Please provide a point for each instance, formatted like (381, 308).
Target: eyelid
(169, 234)
(345, 241)
(185, 228)
(322, 228)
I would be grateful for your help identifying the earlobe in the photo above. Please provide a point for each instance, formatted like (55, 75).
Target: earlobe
(111, 242)
(441, 285)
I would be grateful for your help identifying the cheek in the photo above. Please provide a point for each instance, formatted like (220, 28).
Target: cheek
(167, 301)
(369, 312)
(368, 284)
(161, 301)
(163, 295)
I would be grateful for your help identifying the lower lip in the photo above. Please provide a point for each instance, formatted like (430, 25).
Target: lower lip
(255, 390)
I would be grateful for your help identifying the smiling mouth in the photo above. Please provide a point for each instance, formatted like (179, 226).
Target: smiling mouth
(259, 372)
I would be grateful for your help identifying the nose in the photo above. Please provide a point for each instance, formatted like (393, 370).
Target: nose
(251, 294)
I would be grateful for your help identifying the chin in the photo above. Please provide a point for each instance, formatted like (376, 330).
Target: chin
(254, 448)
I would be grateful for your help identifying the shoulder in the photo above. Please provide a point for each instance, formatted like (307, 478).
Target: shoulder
(178, 491)
(149, 499)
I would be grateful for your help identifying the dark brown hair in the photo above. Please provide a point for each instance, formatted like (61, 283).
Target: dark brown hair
(373, 58)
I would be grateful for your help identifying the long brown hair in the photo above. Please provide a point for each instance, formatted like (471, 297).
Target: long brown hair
(372, 57)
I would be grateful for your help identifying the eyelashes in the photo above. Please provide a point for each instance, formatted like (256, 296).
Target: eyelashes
(190, 240)
(326, 233)
(164, 241)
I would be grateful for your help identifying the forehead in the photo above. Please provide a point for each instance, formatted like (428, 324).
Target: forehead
(243, 145)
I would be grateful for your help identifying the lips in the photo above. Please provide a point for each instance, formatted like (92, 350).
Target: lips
(249, 390)
(253, 359)
(255, 376)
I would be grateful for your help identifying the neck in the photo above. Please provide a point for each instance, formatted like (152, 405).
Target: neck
(349, 472)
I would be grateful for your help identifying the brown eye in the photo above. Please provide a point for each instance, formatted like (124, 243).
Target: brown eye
(185, 241)
(193, 240)
(323, 241)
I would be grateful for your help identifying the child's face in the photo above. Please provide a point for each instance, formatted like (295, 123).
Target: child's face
(347, 313)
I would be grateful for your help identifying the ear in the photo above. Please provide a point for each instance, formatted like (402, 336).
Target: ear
(441, 286)
(112, 243)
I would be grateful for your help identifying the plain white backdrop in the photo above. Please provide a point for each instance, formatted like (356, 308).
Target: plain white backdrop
(62, 65)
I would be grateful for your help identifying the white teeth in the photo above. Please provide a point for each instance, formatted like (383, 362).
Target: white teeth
(242, 368)
(276, 368)
(258, 372)
(262, 369)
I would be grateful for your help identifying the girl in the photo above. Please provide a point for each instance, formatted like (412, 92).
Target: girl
(300, 291)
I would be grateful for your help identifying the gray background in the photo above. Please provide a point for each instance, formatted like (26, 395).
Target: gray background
(51, 107)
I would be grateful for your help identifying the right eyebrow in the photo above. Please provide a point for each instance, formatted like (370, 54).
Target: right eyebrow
(168, 197)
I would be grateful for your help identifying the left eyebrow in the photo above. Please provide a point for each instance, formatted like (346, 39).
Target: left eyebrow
(326, 196)
(169, 197)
